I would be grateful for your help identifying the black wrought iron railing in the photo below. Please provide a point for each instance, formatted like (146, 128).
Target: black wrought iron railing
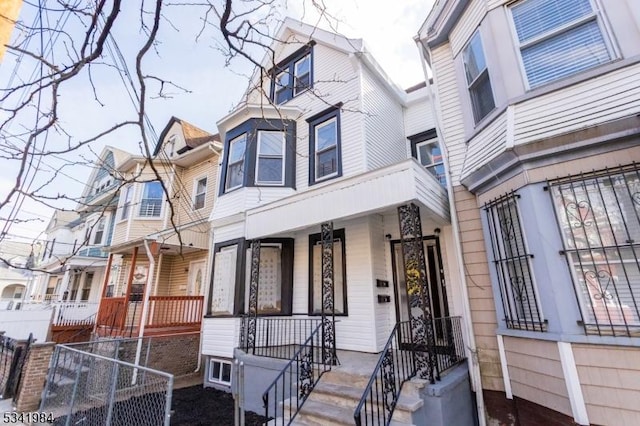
(395, 366)
(276, 337)
(399, 362)
(290, 389)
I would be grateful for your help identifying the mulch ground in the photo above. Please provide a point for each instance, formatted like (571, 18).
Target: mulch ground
(197, 405)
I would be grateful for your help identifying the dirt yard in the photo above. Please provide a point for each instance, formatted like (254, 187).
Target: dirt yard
(196, 405)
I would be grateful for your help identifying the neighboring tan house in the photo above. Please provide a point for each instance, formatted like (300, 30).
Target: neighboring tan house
(9, 11)
(158, 257)
(327, 141)
(539, 114)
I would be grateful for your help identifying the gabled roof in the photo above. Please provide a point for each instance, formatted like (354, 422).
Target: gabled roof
(193, 136)
(108, 162)
(61, 218)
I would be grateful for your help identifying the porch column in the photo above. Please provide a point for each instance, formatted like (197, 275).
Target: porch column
(328, 322)
(127, 295)
(252, 310)
(64, 286)
(417, 290)
(107, 276)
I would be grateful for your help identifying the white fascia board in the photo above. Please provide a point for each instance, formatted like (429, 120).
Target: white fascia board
(248, 111)
(372, 65)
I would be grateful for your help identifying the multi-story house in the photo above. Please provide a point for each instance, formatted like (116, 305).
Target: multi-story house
(538, 111)
(158, 257)
(320, 157)
(72, 264)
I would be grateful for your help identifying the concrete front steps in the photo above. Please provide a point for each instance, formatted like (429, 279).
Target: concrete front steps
(335, 397)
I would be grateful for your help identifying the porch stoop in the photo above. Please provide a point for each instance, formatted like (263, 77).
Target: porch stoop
(335, 397)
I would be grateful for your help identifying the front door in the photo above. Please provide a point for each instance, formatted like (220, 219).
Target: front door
(435, 279)
(196, 278)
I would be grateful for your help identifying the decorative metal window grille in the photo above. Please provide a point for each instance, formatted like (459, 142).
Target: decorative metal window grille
(599, 219)
(513, 267)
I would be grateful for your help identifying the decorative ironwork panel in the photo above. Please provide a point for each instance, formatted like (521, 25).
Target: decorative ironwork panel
(389, 388)
(417, 290)
(254, 283)
(598, 215)
(328, 311)
(306, 380)
(512, 263)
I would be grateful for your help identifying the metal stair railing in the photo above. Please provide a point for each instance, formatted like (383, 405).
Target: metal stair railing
(396, 365)
(297, 379)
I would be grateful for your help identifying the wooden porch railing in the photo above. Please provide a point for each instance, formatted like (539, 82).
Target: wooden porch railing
(74, 313)
(174, 311)
(112, 312)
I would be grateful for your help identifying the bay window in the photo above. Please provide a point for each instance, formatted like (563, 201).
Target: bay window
(235, 165)
(270, 162)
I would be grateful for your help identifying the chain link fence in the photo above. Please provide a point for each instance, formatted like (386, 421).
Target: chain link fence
(88, 385)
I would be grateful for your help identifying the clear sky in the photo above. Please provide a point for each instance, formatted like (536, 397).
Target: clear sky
(193, 63)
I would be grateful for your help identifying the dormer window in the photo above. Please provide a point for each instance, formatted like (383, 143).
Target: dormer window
(293, 76)
(558, 38)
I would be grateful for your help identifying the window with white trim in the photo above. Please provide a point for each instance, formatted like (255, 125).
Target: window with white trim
(513, 265)
(126, 203)
(599, 218)
(235, 165)
(558, 38)
(302, 75)
(200, 193)
(220, 372)
(478, 81)
(270, 162)
(430, 156)
(99, 231)
(151, 202)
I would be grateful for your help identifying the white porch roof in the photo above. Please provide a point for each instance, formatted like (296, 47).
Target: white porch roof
(360, 195)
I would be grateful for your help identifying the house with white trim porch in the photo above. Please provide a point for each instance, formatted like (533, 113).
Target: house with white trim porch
(327, 141)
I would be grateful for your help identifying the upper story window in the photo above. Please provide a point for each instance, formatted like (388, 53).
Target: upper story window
(235, 165)
(151, 202)
(126, 202)
(200, 193)
(325, 146)
(99, 231)
(512, 263)
(478, 81)
(293, 76)
(259, 152)
(426, 149)
(599, 218)
(270, 162)
(558, 38)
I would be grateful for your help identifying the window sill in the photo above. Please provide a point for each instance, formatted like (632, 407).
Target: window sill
(570, 338)
(148, 217)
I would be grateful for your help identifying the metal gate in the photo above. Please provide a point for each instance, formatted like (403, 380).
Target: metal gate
(13, 355)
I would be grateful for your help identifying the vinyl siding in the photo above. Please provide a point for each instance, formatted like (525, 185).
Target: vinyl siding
(483, 311)
(467, 24)
(450, 109)
(384, 124)
(536, 373)
(418, 117)
(185, 185)
(598, 100)
(486, 145)
(179, 279)
(220, 336)
(610, 380)
(248, 198)
(385, 317)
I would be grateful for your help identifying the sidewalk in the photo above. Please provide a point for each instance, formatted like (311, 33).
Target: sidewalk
(6, 406)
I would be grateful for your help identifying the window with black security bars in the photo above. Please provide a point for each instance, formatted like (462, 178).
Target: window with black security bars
(513, 265)
(599, 219)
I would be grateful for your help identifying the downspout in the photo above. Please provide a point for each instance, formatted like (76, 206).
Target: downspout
(476, 378)
(145, 307)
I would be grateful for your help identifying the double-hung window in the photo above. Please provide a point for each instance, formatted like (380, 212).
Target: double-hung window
(478, 81)
(302, 75)
(128, 195)
(512, 264)
(99, 231)
(200, 193)
(324, 140)
(293, 75)
(558, 38)
(151, 202)
(270, 162)
(235, 164)
(599, 218)
(430, 156)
